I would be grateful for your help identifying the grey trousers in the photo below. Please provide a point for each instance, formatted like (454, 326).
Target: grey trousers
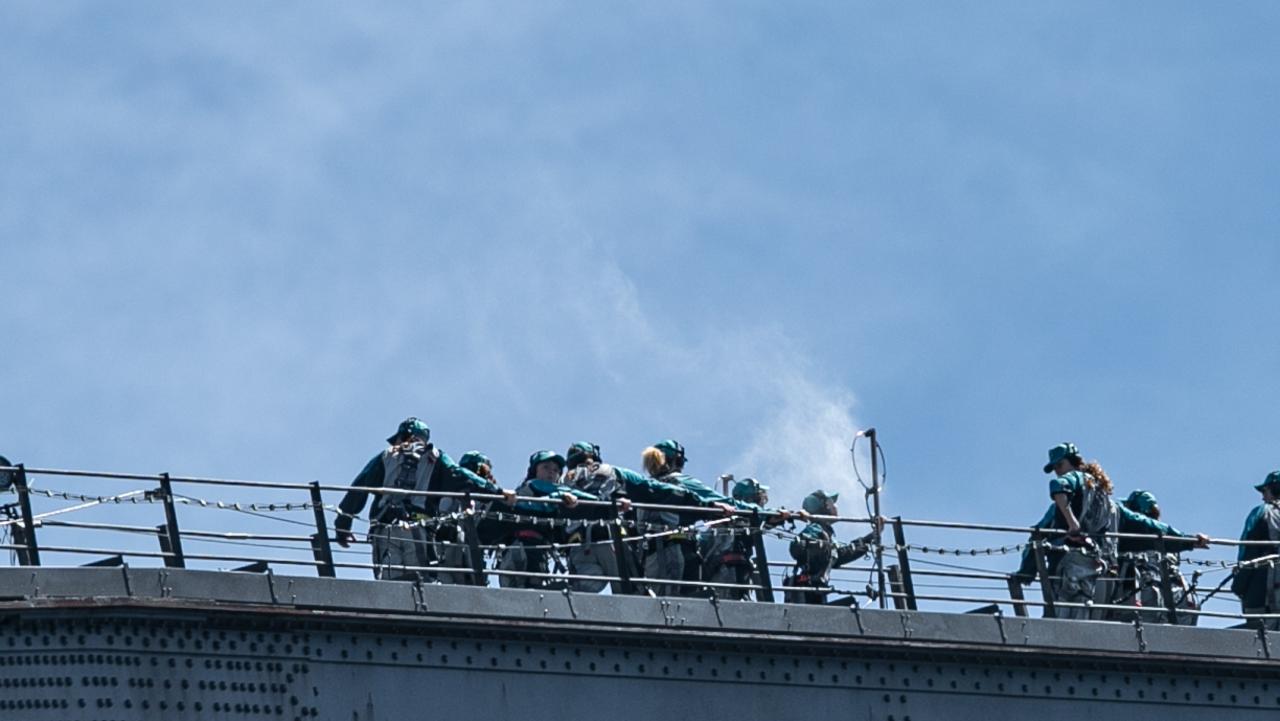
(665, 559)
(517, 558)
(451, 555)
(397, 550)
(595, 559)
(1080, 581)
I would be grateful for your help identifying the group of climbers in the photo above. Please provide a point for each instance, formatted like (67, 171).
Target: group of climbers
(1094, 554)
(673, 546)
(1105, 552)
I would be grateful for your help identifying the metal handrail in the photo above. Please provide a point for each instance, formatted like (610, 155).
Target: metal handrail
(898, 588)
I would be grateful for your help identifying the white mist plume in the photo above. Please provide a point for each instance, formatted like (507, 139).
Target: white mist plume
(745, 399)
(803, 445)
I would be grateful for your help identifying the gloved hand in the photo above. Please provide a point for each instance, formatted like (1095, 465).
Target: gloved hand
(1079, 539)
(342, 531)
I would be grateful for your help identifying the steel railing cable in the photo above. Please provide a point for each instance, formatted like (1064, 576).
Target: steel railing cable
(696, 529)
(144, 496)
(89, 502)
(993, 551)
(258, 514)
(254, 544)
(149, 530)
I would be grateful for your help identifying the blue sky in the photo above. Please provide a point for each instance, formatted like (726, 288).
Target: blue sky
(247, 240)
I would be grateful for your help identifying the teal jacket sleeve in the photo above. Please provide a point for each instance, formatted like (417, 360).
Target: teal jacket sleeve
(704, 494)
(1062, 484)
(1049, 518)
(850, 552)
(450, 477)
(1028, 565)
(1252, 525)
(647, 490)
(559, 490)
(1133, 522)
(548, 489)
(352, 503)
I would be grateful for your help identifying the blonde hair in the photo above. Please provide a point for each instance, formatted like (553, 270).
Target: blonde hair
(654, 460)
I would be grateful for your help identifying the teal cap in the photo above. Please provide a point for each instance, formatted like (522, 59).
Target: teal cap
(582, 450)
(1059, 452)
(748, 489)
(671, 449)
(1142, 502)
(542, 457)
(816, 502)
(472, 460)
(411, 427)
(1272, 480)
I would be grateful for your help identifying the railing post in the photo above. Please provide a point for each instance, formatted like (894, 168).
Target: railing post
(321, 546)
(171, 536)
(473, 543)
(30, 555)
(762, 562)
(1166, 583)
(1015, 593)
(904, 563)
(875, 485)
(1042, 569)
(620, 552)
(166, 547)
(895, 588)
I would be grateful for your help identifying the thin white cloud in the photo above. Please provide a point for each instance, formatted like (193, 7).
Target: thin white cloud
(802, 443)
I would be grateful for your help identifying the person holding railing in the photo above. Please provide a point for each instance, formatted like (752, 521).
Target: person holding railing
(1256, 581)
(591, 553)
(529, 538)
(726, 550)
(397, 531)
(1082, 563)
(816, 550)
(1082, 506)
(672, 552)
(1140, 560)
(450, 544)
